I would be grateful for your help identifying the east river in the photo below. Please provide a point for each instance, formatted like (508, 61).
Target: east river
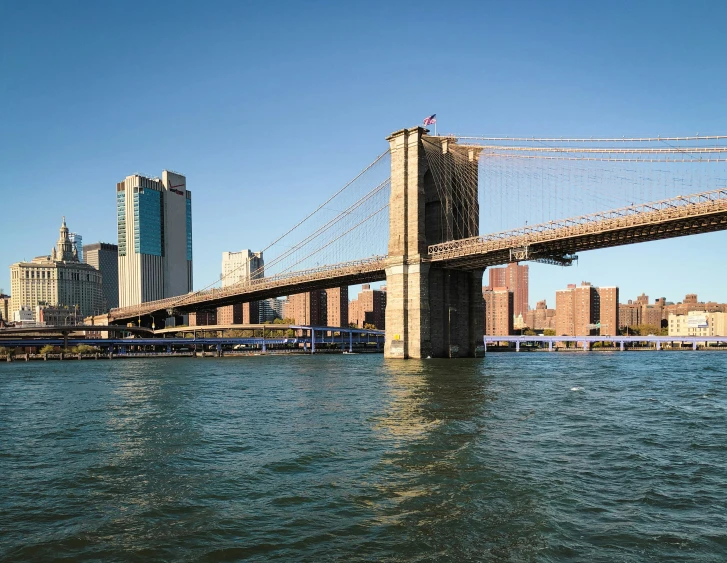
(517, 457)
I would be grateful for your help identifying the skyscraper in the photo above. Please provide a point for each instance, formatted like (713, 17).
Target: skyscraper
(77, 242)
(155, 237)
(104, 257)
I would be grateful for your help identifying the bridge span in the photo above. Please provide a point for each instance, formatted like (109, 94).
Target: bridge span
(419, 229)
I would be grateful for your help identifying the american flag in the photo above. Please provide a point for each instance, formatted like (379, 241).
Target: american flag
(431, 119)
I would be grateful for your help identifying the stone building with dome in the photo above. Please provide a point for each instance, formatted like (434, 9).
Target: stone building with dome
(58, 279)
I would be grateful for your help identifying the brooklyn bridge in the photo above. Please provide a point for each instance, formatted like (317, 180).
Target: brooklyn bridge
(431, 213)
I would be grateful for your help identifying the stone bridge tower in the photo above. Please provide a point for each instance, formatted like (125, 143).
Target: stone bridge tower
(431, 310)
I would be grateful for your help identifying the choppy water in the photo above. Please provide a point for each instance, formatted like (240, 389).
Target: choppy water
(527, 457)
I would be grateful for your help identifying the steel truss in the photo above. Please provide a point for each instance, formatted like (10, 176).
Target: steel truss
(679, 216)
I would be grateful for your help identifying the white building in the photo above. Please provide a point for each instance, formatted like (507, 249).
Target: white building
(58, 279)
(241, 266)
(155, 237)
(698, 323)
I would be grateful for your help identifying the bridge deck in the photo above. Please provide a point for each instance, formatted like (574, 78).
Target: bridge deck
(680, 216)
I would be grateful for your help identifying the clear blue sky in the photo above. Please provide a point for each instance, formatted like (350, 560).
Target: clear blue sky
(268, 107)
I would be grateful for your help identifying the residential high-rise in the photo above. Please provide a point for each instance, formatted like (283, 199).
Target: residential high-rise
(307, 308)
(77, 242)
(239, 313)
(586, 310)
(337, 306)
(204, 317)
(369, 308)
(499, 304)
(104, 257)
(608, 310)
(58, 279)
(564, 311)
(516, 278)
(155, 237)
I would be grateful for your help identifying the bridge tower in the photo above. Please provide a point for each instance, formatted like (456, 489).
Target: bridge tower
(431, 310)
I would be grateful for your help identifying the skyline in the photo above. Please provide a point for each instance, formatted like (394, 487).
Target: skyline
(216, 98)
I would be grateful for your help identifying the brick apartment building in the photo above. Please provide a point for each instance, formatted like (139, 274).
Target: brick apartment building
(337, 306)
(541, 317)
(307, 308)
(580, 308)
(368, 308)
(515, 278)
(499, 306)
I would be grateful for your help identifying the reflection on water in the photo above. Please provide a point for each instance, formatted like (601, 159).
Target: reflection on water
(440, 495)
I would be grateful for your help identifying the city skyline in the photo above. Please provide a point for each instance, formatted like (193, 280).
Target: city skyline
(206, 131)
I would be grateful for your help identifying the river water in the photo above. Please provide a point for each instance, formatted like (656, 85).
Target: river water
(518, 457)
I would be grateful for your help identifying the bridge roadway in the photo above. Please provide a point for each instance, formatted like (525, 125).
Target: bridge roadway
(680, 216)
(555, 240)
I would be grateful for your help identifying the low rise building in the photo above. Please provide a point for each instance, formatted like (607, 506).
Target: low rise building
(25, 317)
(698, 323)
(60, 315)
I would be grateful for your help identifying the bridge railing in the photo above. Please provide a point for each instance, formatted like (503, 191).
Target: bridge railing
(641, 214)
(363, 265)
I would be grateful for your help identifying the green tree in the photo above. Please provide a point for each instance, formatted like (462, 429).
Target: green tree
(549, 332)
(529, 332)
(47, 349)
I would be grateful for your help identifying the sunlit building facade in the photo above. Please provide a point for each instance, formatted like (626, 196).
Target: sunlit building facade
(154, 217)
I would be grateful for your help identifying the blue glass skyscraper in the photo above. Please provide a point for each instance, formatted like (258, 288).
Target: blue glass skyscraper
(154, 218)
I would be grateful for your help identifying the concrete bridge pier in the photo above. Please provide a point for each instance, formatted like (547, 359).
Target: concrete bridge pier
(431, 311)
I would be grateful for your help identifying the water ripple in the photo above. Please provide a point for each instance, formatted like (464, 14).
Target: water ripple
(520, 457)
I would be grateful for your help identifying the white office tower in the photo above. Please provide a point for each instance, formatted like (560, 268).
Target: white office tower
(155, 238)
(241, 266)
